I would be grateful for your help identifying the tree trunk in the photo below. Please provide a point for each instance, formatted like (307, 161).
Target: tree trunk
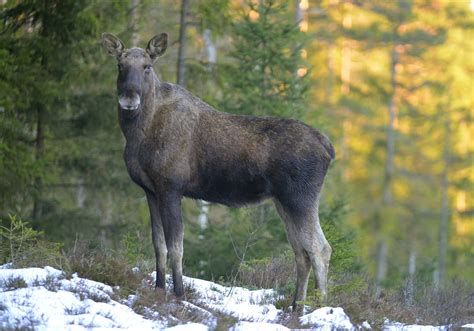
(203, 218)
(381, 265)
(445, 212)
(346, 77)
(299, 15)
(133, 22)
(392, 110)
(387, 185)
(80, 193)
(411, 274)
(211, 53)
(39, 151)
(181, 72)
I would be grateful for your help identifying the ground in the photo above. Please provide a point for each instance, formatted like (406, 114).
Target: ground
(45, 299)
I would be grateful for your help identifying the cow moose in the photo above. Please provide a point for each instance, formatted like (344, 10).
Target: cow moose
(178, 146)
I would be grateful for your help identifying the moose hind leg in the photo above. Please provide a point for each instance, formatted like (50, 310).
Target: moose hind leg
(319, 252)
(158, 238)
(303, 262)
(170, 211)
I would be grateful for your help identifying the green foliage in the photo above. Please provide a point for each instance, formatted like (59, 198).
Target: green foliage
(102, 265)
(24, 247)
(342, 239)
(267, 51)
(218, 251)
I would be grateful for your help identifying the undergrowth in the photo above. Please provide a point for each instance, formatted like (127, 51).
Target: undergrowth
(23, 246)
(451, 304)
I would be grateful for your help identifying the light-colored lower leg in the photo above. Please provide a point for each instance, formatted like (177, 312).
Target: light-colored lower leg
(303, 267)
(176, 262)
(161, 251)
(319, 252)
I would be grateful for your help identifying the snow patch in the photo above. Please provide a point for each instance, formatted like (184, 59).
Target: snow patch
(77, 303)
(258, 326)
(366, 325)
(327, 318)
(31, 276)
(238, 302)
(394, 326)
(189, 327)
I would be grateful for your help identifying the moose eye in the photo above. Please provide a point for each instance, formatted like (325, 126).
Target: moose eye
(147, 67)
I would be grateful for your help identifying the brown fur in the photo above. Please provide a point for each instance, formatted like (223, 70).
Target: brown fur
(177, 146)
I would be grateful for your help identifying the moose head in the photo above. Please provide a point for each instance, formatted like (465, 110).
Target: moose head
(135, 69)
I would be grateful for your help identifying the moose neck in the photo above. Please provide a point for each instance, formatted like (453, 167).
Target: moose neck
(133, 125)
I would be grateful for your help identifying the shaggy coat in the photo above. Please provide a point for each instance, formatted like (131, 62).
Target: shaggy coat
(177, 145)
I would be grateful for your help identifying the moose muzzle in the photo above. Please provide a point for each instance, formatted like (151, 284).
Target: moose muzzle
(129, 101)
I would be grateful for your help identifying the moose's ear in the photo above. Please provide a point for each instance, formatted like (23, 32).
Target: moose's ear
(113, 45)
(157, 46)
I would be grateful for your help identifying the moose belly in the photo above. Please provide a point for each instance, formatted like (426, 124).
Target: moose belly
(230, 187)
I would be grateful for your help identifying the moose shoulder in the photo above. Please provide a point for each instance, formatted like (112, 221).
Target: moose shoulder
(177, 146)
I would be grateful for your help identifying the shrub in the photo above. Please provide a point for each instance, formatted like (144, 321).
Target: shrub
(272, 272)
(111, 268)
(25, 247)
(451, 305)
(13, 283)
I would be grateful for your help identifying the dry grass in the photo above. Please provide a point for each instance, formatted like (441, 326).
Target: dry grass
(451, 305)
(105, 267)
(275, 272)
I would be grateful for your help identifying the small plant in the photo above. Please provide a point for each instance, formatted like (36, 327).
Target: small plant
(275, 272)
(14, 283)
(24, 247)
(110, 268)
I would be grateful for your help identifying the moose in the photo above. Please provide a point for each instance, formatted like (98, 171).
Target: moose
(178, 146)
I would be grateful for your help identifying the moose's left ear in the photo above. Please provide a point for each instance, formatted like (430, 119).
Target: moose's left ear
(157, 46)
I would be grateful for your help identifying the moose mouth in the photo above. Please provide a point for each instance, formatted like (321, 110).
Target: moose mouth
(127, 103)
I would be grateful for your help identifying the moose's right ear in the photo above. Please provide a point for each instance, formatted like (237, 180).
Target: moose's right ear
(113, 45)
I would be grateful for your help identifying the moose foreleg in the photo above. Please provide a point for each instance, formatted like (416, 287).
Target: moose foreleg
(170, 211)
(158, 237)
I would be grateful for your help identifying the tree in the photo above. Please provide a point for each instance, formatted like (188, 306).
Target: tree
(267, 52)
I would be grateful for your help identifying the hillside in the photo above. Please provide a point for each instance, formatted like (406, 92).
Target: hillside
(46, 299)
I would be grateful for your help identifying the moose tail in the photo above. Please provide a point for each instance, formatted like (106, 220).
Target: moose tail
(324, 140)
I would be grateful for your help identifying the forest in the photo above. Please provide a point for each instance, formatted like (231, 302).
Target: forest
(390, 82)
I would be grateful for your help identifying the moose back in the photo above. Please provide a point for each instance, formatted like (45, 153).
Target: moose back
(178, 146)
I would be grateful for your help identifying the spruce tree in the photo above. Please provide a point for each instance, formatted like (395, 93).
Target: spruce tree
(269, 76)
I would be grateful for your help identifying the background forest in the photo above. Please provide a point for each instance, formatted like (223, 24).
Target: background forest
(390, 82)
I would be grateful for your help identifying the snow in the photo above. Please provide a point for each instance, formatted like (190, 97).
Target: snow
(258, 326)
(189, 327)
(327, 318)
(52, 303)
(29, 275)
(45, 299)
(366, 325)
(395, 326)
(237, 302)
